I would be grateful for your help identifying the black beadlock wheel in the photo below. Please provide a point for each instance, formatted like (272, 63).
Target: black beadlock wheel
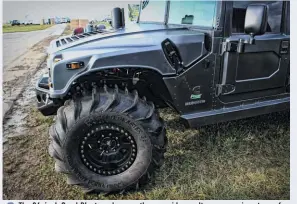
(108, 141)
(108, 150)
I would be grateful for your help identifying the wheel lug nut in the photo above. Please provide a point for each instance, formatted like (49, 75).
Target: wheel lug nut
(109, 134)
(126, 133)
(118, 145)
(86, 138)
(88, 134)
(102, 135)
(97, 129)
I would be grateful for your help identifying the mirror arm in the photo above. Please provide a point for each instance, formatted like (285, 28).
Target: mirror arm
(242, 42)
(251, 39)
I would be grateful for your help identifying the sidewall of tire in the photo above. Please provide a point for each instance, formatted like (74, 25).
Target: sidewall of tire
(71, 148)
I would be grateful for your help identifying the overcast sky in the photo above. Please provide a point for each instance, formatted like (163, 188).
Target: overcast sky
(36, 10)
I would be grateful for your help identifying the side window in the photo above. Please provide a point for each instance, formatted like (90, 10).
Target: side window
(199, 13)
(274, 15)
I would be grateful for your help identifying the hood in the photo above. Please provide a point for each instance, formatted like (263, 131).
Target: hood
(134, 34)
(139, 38)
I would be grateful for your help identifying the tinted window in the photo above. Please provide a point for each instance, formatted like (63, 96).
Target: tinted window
(200, 13)
(274, 15)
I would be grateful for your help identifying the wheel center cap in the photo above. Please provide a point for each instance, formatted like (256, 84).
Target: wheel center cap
(110, 143)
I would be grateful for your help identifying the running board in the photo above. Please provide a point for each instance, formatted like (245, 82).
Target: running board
(234, 113)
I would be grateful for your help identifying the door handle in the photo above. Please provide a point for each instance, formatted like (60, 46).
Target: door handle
(284, 47)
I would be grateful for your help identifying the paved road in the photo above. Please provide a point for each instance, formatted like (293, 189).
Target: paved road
(16, 44)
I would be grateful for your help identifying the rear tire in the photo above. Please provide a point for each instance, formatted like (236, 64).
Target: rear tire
(80, 122)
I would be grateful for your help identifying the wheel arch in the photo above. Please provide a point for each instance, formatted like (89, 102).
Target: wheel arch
(149, 81)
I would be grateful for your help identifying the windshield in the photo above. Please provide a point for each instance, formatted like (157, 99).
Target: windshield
(197, 13)
(153, 11)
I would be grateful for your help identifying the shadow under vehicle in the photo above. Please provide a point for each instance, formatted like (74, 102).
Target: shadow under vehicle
(209, 61)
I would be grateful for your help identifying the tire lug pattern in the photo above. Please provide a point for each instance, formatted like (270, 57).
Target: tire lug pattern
(107, 100)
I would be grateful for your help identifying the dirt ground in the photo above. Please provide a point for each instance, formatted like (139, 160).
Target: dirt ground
(21, 71)
(244, 159)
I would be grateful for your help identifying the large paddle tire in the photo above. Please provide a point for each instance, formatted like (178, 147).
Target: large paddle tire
(108, 141)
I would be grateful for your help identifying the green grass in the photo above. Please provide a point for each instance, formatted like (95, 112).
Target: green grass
(243, 159)
(7, 28)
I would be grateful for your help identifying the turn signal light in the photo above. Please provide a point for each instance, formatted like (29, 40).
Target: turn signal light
(75, 65)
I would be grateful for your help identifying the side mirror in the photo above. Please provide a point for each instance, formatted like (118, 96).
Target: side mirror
(255, 21)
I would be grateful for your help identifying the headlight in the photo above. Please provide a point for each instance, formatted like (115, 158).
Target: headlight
(57, 58)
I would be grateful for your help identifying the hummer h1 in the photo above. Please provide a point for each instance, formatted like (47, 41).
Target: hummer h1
(210, 61)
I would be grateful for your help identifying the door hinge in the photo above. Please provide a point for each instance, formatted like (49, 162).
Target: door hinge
(223, 89)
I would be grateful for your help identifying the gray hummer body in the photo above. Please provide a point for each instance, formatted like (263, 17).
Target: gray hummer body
(228, 83)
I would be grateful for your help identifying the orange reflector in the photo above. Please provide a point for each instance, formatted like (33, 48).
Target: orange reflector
(75, 66)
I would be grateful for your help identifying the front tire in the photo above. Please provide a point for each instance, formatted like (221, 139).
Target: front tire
(91, 133)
